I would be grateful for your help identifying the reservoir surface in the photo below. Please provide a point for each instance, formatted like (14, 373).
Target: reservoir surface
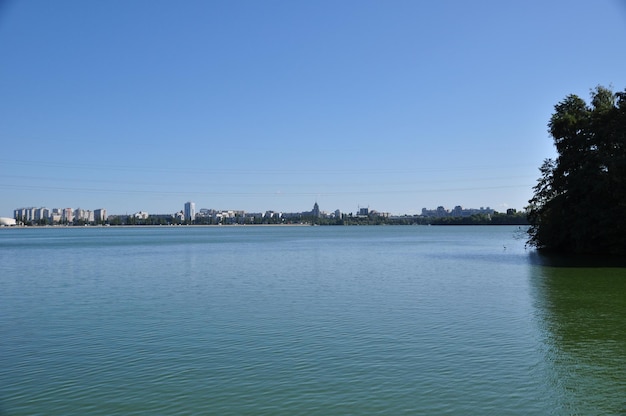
(244, 320)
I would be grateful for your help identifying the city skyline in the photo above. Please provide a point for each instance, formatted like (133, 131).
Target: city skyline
(188, 212)
(273, 105)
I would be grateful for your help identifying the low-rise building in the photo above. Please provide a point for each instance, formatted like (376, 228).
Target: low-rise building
(7, 222)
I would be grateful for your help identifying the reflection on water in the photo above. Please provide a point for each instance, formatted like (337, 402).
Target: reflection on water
(582, 311)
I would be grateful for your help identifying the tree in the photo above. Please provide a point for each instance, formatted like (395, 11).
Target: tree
(579, 202)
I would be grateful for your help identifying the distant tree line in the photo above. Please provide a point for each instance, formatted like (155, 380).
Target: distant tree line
(579, 201)
(510, 218)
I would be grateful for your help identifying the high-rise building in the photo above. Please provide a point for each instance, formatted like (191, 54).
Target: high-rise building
(41, 213)
(190, 211)
(78, 214)
(100, 215)
(316, 211)
(30, 214)
(67, 215)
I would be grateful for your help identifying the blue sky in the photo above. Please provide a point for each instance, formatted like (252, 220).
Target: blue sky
(274, 105)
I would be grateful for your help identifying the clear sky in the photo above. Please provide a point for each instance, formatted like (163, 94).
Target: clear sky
(274, 105)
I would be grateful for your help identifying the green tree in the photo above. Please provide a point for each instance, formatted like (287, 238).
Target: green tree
(579, 202)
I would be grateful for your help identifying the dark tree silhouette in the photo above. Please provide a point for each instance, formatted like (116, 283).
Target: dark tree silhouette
(579, 202)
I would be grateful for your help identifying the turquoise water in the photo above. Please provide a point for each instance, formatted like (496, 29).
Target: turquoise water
(304, 320)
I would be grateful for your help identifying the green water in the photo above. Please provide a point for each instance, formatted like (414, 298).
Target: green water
(305, 320)
(582, 314)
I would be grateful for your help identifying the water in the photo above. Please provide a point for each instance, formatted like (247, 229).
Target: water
(304, 320)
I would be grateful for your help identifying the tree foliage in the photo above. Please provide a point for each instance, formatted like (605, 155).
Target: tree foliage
(579, 202)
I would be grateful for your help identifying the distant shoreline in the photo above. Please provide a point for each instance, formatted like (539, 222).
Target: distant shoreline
(249, 225)
(156, 226)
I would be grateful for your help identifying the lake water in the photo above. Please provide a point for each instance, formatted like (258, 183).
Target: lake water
(305, 321)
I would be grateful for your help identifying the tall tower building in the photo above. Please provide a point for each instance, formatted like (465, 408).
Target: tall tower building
(190, 211)
(316, 210)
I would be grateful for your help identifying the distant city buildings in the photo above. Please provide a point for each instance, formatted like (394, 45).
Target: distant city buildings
(189, 215)
(458, 211)
(141, 215)
(45, 216)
